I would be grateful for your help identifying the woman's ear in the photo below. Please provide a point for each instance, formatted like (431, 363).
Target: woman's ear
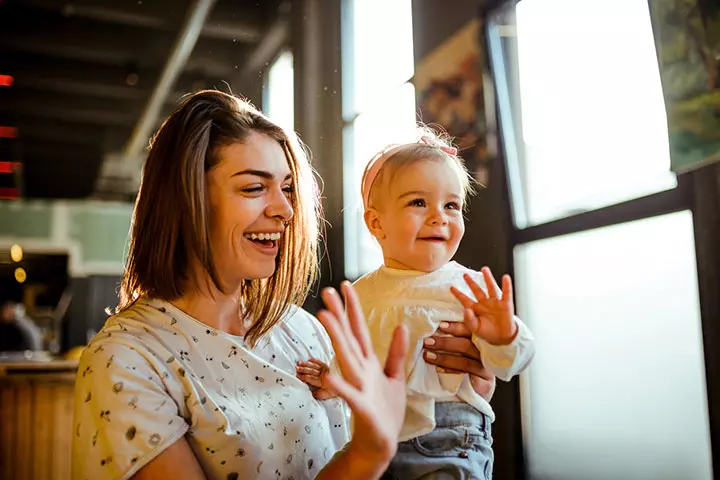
(372, 220)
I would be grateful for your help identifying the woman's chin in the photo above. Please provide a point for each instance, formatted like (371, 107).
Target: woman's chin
(260, 273)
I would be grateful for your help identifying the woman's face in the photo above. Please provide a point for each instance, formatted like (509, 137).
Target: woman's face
(249, 193)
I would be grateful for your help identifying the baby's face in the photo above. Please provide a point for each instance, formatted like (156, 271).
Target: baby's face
(421, 218)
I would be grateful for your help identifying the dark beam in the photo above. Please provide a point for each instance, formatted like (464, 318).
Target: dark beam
(51, 154)
(67, 108)
(67, 182)
(41, 72)
(78, 39)
(232, 20)
(77, 135)
(109, 138)
(33, 129)
(108, 44)
(177, 58)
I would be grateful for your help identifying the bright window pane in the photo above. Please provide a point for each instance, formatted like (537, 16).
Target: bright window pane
(617, 387)
(381, 50)
(280, 96)
(588, 111)
(371, 131)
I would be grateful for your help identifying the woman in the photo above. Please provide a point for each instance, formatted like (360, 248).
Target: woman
(195, 375)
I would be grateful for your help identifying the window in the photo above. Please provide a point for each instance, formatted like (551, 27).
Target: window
(378, 107)
(619, 353)
(588, 117)
(600, 226)
(278, 101)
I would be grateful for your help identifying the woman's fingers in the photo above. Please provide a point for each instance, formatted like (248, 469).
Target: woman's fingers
(456, 345)
(454, 362)
(344, 350)
(395, 363)
(456, 329)
(335, 304)
(357, 319)
(347, 392)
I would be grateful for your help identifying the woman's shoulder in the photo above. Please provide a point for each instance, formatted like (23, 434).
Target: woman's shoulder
(304, 331)
(299, 321)
(138, 334)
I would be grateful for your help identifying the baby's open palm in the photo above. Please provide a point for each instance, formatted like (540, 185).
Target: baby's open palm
(490, 315)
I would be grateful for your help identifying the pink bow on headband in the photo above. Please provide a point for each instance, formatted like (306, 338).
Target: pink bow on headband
(430, 142)
(376, 163)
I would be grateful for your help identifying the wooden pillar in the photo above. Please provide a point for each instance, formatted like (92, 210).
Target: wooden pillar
(315, 41)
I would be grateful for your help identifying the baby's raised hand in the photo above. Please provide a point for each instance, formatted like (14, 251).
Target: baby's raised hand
(314, 372)
(491, 315)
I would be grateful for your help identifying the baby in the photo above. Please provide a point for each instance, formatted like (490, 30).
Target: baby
(414, 195)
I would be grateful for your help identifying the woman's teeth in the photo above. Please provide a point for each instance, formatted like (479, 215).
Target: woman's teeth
(263, 236)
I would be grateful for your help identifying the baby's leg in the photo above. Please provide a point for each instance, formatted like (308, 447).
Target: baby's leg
(460, 448)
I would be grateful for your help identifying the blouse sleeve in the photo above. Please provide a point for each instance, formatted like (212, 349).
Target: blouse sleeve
(124, 414)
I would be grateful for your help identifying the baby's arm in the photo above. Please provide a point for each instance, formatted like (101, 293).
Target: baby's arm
(506, 345)
(506, 361)
(314, 372)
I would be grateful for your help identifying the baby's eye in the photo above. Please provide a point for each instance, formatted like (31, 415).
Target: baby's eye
(453, 206)
(418, 202)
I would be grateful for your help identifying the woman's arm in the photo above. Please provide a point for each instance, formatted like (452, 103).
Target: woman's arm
(376, 395)
(176, 461)
(351, 464)
(124, 417)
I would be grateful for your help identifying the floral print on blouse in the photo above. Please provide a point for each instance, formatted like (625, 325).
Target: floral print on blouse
(154, 374)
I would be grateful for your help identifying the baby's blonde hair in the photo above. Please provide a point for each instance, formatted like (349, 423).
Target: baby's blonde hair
(405, 155)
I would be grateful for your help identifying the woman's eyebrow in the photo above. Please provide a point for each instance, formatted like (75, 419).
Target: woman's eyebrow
(259, 173)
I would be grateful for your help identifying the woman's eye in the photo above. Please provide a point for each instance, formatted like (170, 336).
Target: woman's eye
(418, 202)
(288, 190)
(253, 189)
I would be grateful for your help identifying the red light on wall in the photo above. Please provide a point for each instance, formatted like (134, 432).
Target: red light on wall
(8, 132)
(9, 193)
(6, 80)
(9, 167)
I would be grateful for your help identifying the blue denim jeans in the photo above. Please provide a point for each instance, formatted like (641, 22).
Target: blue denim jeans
(460, 448)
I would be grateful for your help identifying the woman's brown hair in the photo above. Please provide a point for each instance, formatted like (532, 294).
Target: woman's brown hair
(170, 227)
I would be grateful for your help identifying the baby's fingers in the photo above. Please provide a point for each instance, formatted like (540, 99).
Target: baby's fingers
(309, 368)
(466, 301)
(318, 364)
(312, 380)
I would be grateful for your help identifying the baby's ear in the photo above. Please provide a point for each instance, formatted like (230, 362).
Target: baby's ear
(372, 220)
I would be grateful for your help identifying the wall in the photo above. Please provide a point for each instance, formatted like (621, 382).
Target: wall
(93, 234)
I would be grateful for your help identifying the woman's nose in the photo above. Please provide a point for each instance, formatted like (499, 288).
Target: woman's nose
(280, 207)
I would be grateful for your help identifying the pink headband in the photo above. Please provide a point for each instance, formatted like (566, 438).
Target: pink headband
(378, 160)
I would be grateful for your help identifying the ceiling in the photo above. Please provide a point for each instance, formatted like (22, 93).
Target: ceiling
(84, 73)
